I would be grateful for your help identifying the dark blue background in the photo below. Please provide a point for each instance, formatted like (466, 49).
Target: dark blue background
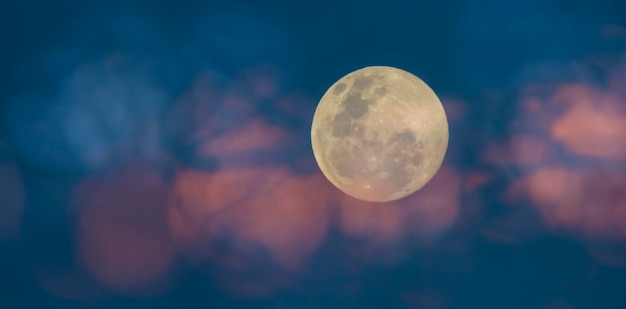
(482, 52)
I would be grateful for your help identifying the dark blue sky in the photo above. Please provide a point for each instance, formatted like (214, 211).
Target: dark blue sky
(152, 153)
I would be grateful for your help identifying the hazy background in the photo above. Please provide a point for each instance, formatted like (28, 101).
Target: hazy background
(156, 154)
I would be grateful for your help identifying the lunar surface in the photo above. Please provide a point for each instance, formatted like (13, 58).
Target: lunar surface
(379, 134)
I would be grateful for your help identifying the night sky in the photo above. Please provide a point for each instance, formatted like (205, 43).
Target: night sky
(156, 154)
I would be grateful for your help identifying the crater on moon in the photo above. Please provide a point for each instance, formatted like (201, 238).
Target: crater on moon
(379, 134)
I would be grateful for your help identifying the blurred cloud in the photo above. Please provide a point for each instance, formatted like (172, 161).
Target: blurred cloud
(102, 115)
(566, 158)
(576, 200)
(521, 150)
(420, 218)
(594, 125)
(244, 119)
(253, 210)
(248, 219)
(122, 233)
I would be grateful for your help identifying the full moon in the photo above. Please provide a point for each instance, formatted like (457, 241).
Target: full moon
(379, 134)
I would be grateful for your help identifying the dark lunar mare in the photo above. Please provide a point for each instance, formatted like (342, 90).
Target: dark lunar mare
(353, 107)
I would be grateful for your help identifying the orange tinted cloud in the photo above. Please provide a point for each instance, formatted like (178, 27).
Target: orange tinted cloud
(521, 150)
(473, 180)
(236, 215)
(433, 210)
(574, 195)
(423, 216)
(253, 135)
(589, 201)
(272, 209)
(373, 222)
(566, 158)
(291, 218)
(595, 126)
(122, 231)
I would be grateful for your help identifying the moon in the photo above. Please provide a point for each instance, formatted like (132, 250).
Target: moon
(379, 134)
